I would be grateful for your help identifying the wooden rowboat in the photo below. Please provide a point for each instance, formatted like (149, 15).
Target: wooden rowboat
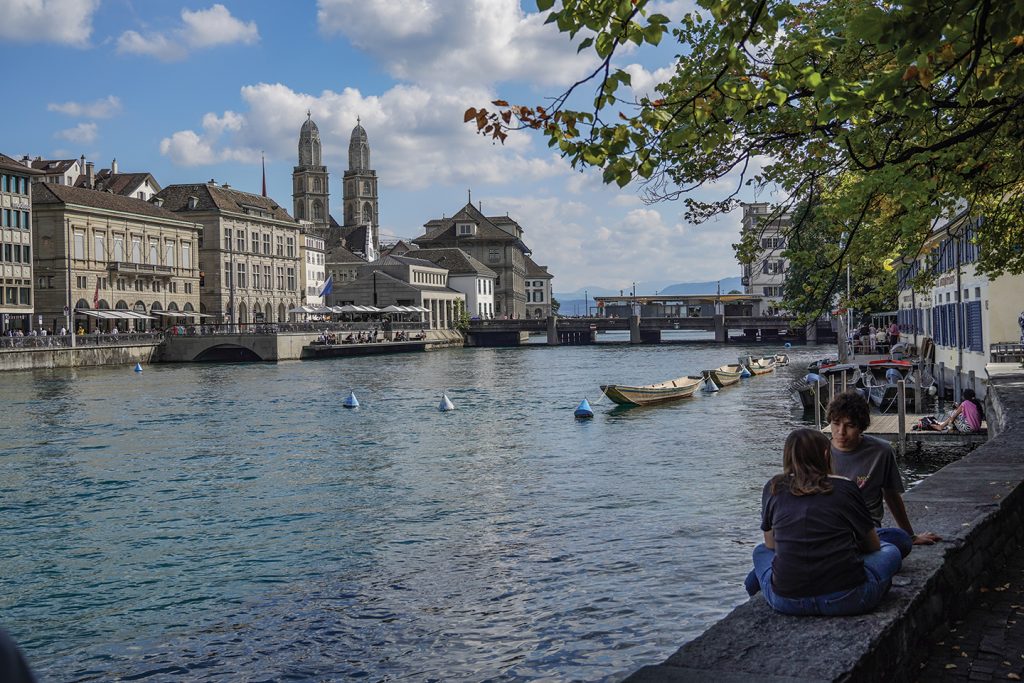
(724, 375)
(681, 387)
(759, 366)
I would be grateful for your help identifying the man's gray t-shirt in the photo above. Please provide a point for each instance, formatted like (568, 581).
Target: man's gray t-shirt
(872, 467)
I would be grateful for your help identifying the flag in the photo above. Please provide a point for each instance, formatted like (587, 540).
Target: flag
(96, 296)
(328, 287)
(264, 160)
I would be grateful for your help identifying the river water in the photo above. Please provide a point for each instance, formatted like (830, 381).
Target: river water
(215, 522)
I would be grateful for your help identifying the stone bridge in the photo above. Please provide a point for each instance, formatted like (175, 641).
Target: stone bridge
(235, 347)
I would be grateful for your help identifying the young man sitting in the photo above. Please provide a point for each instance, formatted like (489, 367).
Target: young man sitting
(870, 463)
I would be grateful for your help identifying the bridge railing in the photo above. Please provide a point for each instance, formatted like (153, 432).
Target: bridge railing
(56, 341)
(276, 328)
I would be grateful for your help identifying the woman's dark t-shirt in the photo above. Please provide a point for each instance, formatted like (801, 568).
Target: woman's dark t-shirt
(816, 538)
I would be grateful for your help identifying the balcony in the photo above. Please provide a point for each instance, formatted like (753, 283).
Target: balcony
(139, 268)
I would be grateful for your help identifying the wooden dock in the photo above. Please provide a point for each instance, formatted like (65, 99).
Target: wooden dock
(888, 427)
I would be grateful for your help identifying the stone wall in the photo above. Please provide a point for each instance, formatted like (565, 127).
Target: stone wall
(37, 359)
(976, 504)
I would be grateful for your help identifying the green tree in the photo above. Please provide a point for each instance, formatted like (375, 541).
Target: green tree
(555, 305)
(906, 111)
(461, 317)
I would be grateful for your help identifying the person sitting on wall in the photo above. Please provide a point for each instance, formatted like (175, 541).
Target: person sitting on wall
(966, 418)
(821, 553)
(870, 463)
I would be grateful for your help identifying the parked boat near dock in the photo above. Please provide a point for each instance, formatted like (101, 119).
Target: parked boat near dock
(681, 387)
(725, 375)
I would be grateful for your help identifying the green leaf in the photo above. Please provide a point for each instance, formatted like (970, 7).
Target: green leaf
(545, 5)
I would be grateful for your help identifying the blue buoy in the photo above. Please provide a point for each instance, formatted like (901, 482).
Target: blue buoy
(138, 367)
(446, 404)
(351, 401)
(745, 373)
(787, 345)
(583, 410)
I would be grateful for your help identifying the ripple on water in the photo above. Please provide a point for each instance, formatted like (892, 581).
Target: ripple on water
(230, 522)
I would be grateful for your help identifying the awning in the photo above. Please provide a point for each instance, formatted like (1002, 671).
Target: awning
(103, 314)
(175, 314)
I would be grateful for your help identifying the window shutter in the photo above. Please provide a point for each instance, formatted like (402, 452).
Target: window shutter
(974, 326)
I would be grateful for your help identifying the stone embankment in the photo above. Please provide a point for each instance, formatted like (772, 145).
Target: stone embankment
(975, 504)
(125, 353)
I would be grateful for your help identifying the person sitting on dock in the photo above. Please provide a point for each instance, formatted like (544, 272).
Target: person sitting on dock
(870, 463)
(966, 418)
(821, 553)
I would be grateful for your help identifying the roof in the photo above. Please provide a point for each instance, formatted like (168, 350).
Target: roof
(213, 197)
(534, 270)
(120, 183)
(49, 193)
(340, 254)
(390, 260)
(413, 285)
(442, 231)
(51, 166)
(455, 260)
(399, 248)
(9, 164)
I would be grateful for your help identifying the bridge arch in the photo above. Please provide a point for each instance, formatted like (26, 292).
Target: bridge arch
(227, 353)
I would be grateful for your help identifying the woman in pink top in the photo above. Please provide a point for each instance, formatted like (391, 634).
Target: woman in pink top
(966, 417)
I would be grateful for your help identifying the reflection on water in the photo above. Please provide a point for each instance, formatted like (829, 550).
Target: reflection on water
(199, 521)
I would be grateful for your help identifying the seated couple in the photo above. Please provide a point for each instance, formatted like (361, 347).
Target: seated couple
(823, 551)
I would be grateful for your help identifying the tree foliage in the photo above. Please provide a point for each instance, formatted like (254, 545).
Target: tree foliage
(883, 116)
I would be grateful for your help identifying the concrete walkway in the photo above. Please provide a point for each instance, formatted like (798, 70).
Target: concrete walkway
(988, 643)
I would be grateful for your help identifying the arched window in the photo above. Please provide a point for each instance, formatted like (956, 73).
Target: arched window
(366, 187)
(367, 213)
(350, 214)
(318, 209)
(317, 187)
(300, 212)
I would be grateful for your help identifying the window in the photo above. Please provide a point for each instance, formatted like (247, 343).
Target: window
(773, 242)
(280, 277)
(466, 228)
(241, 275)
(228, 276)
(136, 249)
(254, 242)
(280, 245)
(291, 246)
(366, 187)
(493, 255)
(154, 251)
(255, 277)
(118, 247)
(227, 239)
(291, 279)
(266, 245)
(188, 287)
(26, 254)
(267, 282)
(186, 255)
(24, 296)
(240, 240)
(773, 267)
(79, 244)
(81, 282)
(168, 253)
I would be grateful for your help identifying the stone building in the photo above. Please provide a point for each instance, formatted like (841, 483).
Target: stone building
(57, 171)
(465, 274)
(249, 253)
(342, 265)
(495, 241)
(112, 260)
(766, 276)
(16, 305)
(311, 192)
(538, 290)
(403, 281)
(361, 230)
(314, 268)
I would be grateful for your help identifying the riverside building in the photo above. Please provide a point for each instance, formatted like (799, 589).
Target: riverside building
(16, 276)
(766, 276)
(109, 260)
(466, 275)
(538, 290)
(249, 253)
(313, 270)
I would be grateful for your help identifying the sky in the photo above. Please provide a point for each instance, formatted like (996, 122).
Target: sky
(194, 90)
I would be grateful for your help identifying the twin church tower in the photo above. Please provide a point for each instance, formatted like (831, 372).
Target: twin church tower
(311, 193)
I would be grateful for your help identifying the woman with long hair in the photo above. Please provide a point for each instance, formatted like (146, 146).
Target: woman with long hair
(966, 417)
(821, 554)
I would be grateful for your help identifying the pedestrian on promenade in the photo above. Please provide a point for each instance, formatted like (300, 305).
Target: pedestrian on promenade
(870, 463)
(894, 334)
(821, 554)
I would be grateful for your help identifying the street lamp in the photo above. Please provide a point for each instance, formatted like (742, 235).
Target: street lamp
(68, 308)
(586, 299)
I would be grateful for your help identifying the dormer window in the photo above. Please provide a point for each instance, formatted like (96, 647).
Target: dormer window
(465, 229)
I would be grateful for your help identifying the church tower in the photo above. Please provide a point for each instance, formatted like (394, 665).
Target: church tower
(310, 191)
(361, 208)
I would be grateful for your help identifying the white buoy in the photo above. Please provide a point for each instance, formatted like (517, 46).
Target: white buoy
(709, 385)
(138, 367)
(583, 410)
(351, 401)
(446, 404)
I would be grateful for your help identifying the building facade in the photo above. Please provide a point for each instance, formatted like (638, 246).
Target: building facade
(249, 254)
(766, 276)
(538, 290)
(362, 209)
(314, 269)
(962, 311)
(104, 257)
(404, 281)
(466, 275)
(16, 248)
(57, 171)
(495, 241)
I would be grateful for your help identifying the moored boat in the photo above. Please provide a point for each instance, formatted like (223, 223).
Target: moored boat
(681, 387)
(781, 359)
(760, 366)
(724, 375)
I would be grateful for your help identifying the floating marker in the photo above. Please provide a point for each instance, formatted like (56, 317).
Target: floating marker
(745, 373)
(138, 367)
(709, 385)
(446, 404)
(351, 401)
(787, 345)
(583, 410)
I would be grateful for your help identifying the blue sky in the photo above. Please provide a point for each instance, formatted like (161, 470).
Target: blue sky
(196, 90)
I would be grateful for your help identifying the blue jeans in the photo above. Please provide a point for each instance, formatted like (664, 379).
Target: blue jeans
(892, 535)
(879, 568)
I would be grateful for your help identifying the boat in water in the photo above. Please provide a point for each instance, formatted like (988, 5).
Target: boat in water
(781, 359)
(844, 377)
(724, 375)
(681, 387)
(758, 366)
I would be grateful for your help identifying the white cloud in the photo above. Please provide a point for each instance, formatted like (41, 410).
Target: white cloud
(100, 109)
(643, 82)
(84, 133)
(68, 22)
(200, 29)
(467, 42)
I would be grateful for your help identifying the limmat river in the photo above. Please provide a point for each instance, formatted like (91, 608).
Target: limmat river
(234, 522)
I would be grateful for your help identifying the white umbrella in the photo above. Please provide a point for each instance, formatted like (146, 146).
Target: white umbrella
(393, 309)
(300, 309)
